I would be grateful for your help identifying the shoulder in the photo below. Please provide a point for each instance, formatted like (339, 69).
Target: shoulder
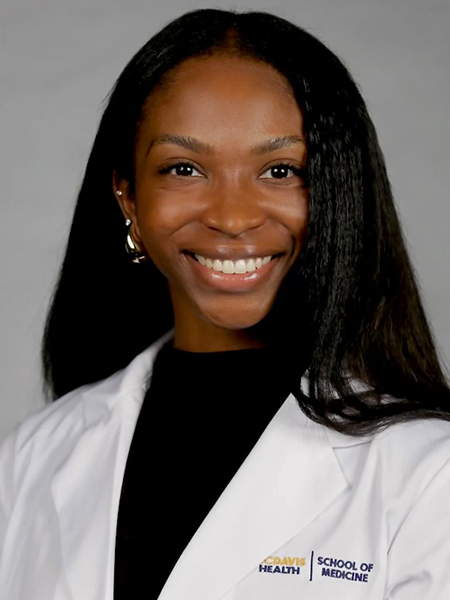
(414, 459)
(68, 416)
(418, 436)
(38, 445)
(420, 447)
(400, 461)
(44, 440)
(90, 404)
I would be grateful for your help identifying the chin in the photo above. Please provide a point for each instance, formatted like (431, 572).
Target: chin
(235, 320)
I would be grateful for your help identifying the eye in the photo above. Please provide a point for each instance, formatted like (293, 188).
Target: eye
(182, 169)
(281, 171)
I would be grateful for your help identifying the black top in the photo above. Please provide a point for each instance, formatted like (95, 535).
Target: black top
(200, 418)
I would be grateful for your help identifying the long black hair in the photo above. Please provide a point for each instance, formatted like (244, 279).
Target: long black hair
(348, 310)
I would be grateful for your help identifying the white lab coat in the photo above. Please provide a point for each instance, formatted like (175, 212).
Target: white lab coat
(311, 514)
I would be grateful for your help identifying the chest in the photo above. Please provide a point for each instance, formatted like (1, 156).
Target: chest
(288, 525)
(341, 554)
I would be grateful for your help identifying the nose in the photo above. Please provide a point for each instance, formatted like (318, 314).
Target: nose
(233, 211)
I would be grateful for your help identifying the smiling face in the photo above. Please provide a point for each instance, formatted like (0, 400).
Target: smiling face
(212, 200)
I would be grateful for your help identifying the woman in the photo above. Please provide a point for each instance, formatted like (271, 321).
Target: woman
(250, 401)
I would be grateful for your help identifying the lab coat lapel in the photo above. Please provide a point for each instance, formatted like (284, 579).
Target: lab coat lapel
(287, 480)
(86, 494)
(86, 488)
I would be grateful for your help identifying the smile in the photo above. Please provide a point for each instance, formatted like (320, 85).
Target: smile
(240, 266)
(231, 276)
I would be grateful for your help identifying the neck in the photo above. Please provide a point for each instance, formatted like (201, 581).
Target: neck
(214, 339)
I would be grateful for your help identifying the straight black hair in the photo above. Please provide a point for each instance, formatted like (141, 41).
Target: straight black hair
(348, 310)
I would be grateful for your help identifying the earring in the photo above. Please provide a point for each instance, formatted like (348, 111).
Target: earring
(133, 251)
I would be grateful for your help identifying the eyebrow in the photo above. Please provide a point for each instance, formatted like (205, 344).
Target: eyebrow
(196, 145)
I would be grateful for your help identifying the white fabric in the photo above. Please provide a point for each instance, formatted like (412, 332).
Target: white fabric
(323, 510)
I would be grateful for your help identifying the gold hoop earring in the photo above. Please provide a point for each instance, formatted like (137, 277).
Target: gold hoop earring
(133, 251)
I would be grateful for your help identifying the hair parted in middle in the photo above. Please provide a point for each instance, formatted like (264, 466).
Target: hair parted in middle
(350, 304)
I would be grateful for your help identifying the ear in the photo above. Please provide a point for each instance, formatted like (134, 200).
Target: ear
(122, 194)
(127, 205)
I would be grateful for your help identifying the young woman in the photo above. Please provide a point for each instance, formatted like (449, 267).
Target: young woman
(250, 400)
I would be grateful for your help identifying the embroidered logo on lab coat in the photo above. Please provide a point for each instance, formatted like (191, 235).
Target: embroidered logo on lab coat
(319, 567)
(341, 568)
(286, 565)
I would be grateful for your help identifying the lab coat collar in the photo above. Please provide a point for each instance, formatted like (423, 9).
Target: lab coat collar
(289, 478)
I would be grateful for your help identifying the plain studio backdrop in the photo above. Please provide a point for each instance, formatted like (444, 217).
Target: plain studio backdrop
(60, 58)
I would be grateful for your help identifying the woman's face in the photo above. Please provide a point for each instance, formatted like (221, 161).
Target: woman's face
(211, 197)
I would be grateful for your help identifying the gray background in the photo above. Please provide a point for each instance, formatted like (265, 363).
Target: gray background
(59, 59)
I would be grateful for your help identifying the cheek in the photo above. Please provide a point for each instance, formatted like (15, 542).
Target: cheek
(158, 222)
(295, 216)
(301, 228)
(163, 212)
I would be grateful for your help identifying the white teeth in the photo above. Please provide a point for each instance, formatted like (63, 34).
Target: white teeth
(240, 266)
(251, 265)
(229, 266)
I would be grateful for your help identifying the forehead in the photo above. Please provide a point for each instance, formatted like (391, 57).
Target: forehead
(207, 90)
(204, 69)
